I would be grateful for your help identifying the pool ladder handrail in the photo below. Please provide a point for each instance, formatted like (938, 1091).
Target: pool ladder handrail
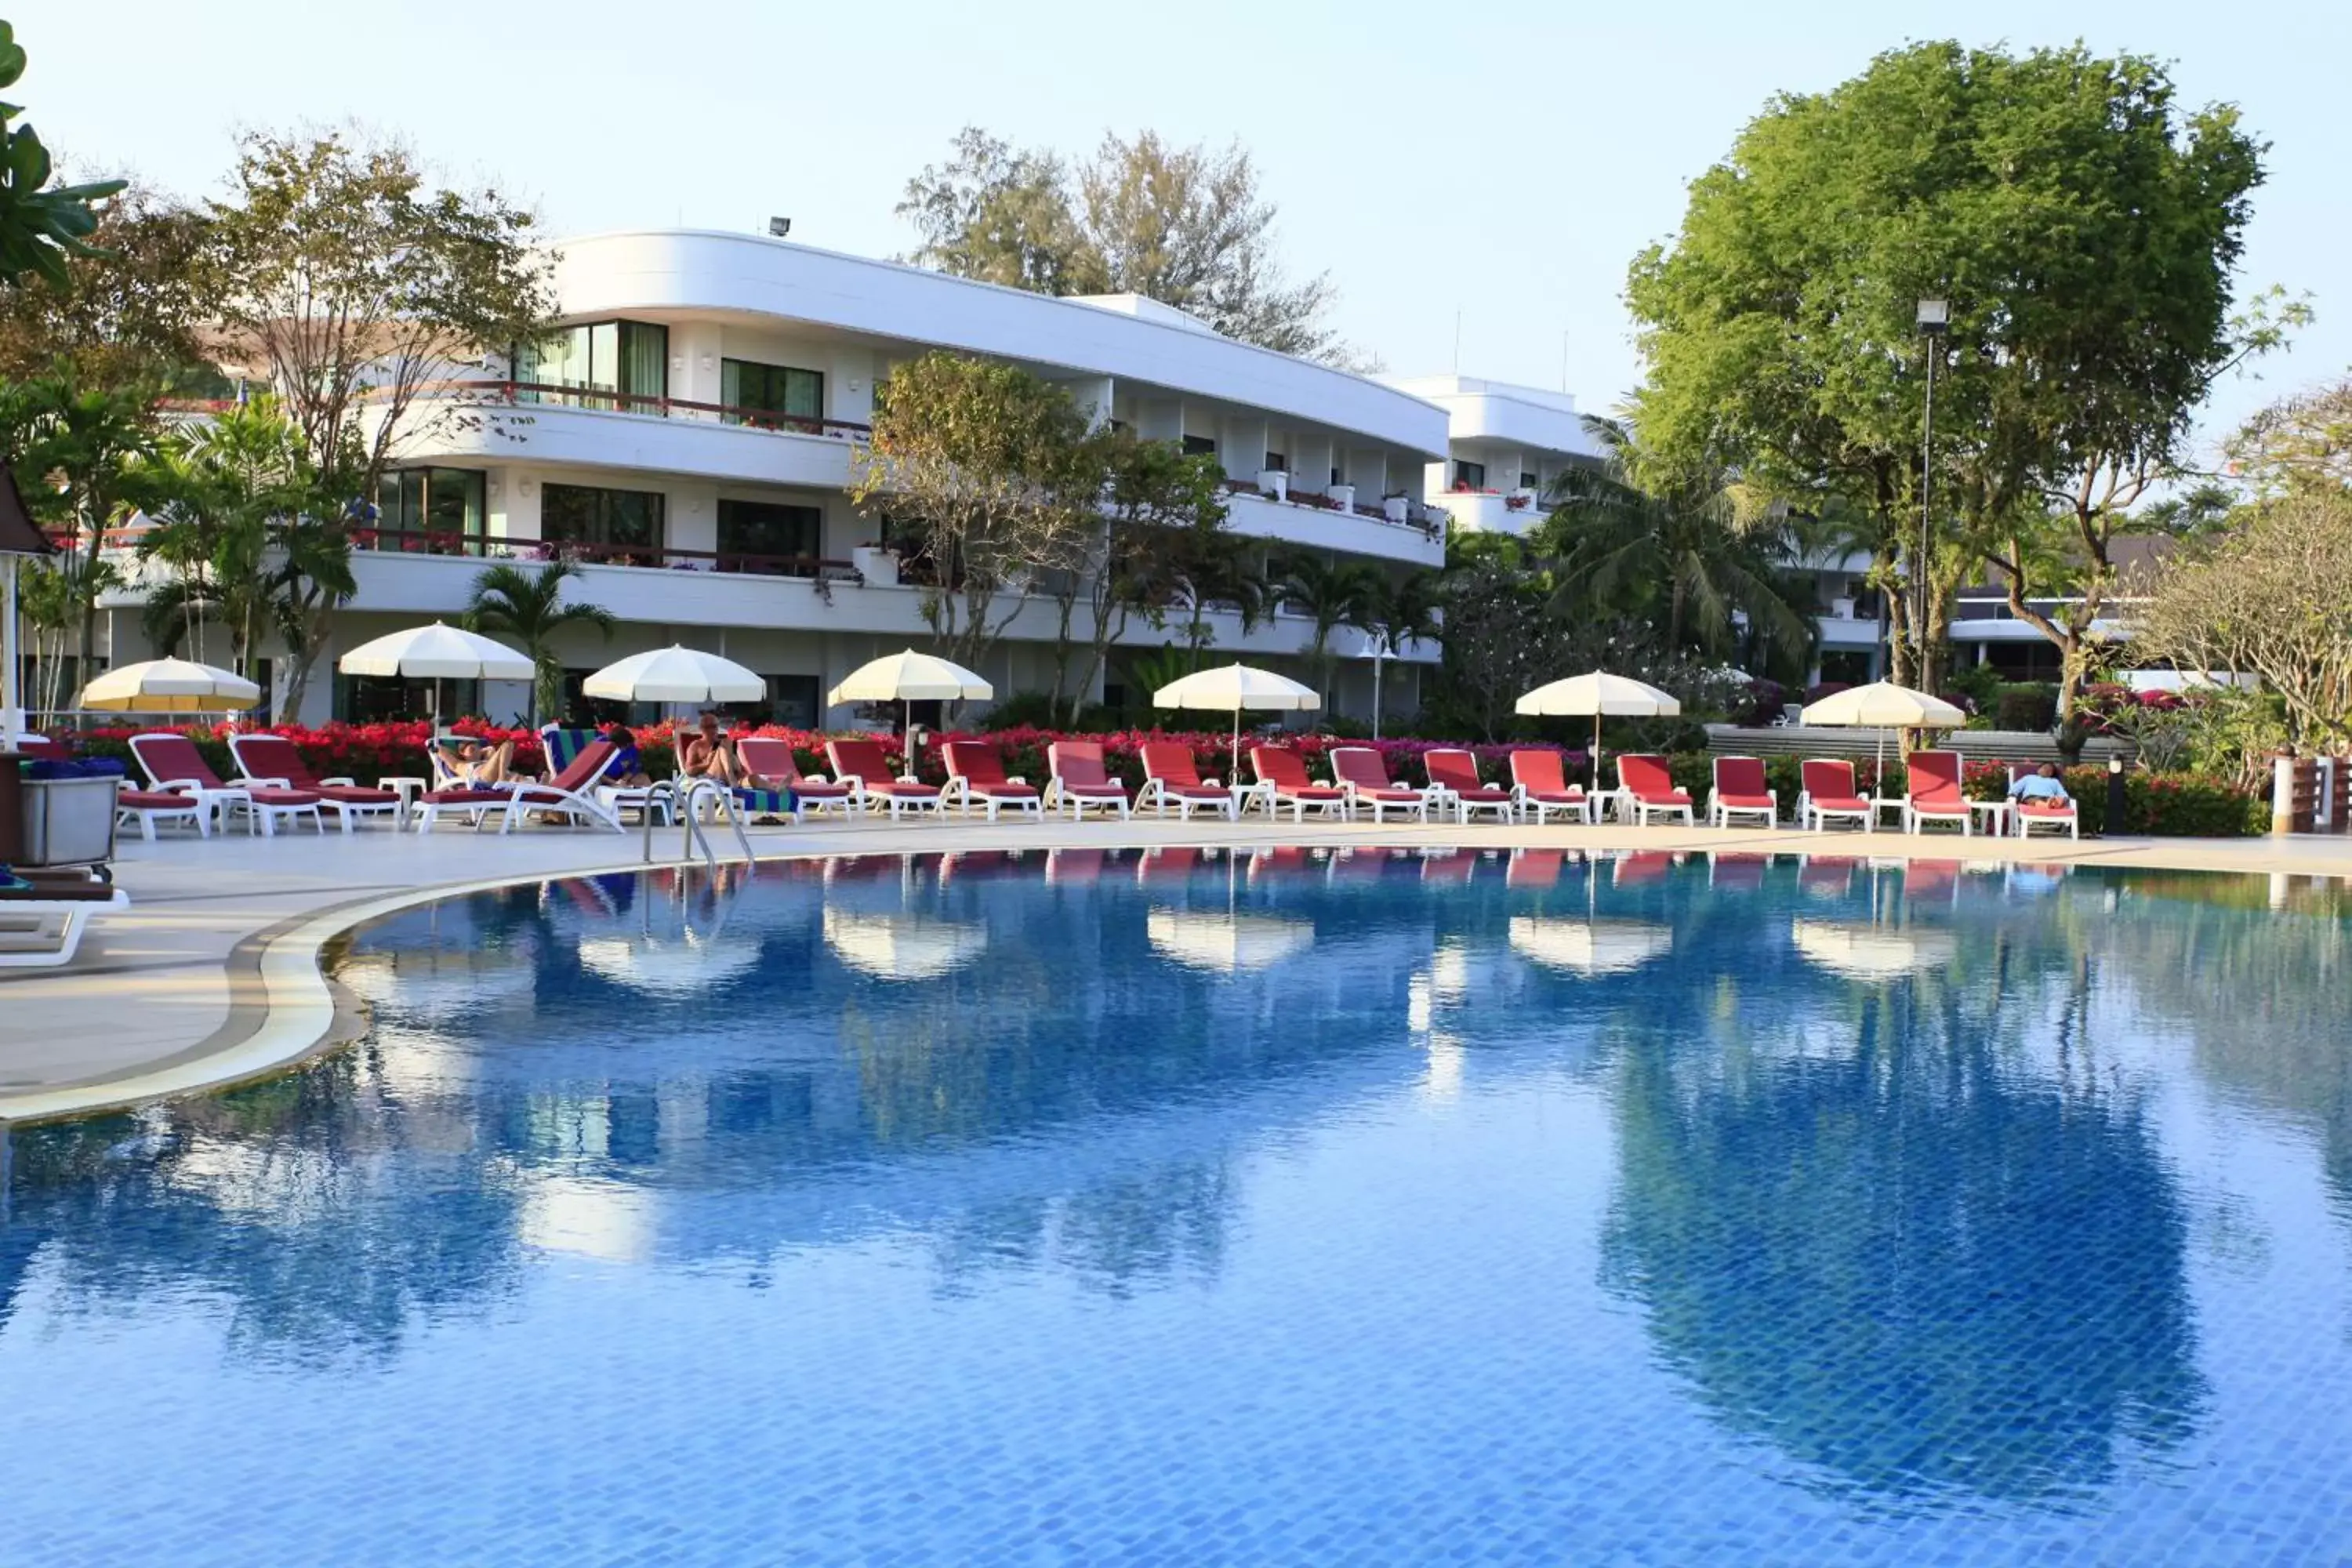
(683, 804)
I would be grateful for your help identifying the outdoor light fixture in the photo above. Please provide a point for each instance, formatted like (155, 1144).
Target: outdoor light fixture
(1935, 319)
(780, 226)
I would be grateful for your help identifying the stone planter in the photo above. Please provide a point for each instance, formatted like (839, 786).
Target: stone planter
(1396, 508)
(879, 567)
(1274, 482)
(1345, 495)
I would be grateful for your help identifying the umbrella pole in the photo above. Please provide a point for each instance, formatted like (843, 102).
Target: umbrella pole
(1596, 753)
(1235, 778)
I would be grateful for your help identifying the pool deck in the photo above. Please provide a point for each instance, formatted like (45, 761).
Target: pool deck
(211, 977)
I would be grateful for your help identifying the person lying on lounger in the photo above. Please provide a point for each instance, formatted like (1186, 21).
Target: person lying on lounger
(627, 768)
(485, 767)
(2041, 784)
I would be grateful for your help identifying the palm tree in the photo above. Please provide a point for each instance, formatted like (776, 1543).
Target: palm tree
(528, 606)
(1694, 551)
(1330, 593)
(1400, 610)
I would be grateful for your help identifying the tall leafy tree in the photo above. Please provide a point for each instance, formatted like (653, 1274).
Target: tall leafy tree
(41, 225)
(1188, 226)
(127, 312)
(971, 462)
(529, 606)
(2085, 228)
(343, 276)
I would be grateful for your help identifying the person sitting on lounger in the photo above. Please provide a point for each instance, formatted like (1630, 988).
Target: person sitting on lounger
(2041, 784)
(627, 769)
(709, 754)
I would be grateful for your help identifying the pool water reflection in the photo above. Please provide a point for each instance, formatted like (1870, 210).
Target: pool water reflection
(1107, 1207)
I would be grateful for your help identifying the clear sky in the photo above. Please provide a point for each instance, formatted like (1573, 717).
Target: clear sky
(1501, 161)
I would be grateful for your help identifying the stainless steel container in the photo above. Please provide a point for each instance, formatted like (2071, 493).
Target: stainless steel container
(67, 822)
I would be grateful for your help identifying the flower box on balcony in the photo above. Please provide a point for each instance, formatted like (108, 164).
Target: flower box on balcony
(1396, 508)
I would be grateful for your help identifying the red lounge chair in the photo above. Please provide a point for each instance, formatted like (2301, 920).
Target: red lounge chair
(976, 773)
(149, 807)
(1535, 868)
(1172, 776)
(861, 765)
(1740, 790)
(1831, 875)
(273, 762)
(1284, 863)
(1283, 771)
(41, 926)
(173, 763)
(1925, 879)
(1646, 865)
(1932, 786)
(2047, 815)
(1177, 861)
(1081, 782)
(1539, 785)
(565, 795)
(1448, 868)
(1829, 792)
(770, 757)
(1456, 773)
(1073, 867)
(1646, 786)
(1360, 772)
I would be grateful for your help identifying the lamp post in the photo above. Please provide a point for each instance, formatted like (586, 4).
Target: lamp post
(1377, 649)
(1934, 318)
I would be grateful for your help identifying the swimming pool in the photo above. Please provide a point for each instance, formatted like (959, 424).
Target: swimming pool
(1102, 1207)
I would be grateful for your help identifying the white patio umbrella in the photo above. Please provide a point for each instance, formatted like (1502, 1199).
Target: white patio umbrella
(1589, 947)
(1599, 693)
(1885, 706)
(902, 947)
(437, 653)
(169, 686)
(911, 677)
(1230, 689)
(676, 674)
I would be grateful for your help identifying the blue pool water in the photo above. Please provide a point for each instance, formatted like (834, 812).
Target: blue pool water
(1098, 1209)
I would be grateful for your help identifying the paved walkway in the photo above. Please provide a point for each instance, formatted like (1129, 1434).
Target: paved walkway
(211, 977)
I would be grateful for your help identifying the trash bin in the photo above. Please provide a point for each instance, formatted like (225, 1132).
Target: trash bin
(67, 821)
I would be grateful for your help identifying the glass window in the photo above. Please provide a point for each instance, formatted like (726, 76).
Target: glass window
(766, 537)
(1469, 476)
(1526, 481)
(438, 511)
(614, 523)
(453, 501)
(792, 700)
(1199, 446)
(747, 384)
(1280, 463)
(604, 357)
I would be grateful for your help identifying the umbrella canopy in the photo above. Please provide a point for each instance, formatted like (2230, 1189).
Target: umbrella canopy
(910, 677)
(1888, 706)
(169, 686)
(1599, 693)
(437, 652)
(1232, 687)
(676, 674)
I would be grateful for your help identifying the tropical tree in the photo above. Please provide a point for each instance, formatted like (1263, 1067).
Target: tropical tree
(40, 224)
(127, 312)
(1402, 609)
(83, 448)
(247, 521)
(52, 594)
(1690, 548)
(974, 464)
(1331, 594)
(1161, 509)
(529, 607)
(1184, 225)
(2084, 228)
(1221, 570)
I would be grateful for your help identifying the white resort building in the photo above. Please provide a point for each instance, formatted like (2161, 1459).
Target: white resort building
(687, 437)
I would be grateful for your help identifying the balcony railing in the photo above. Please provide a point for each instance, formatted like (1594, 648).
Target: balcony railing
(528, 393)
(1427, 519)
(661, 557)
